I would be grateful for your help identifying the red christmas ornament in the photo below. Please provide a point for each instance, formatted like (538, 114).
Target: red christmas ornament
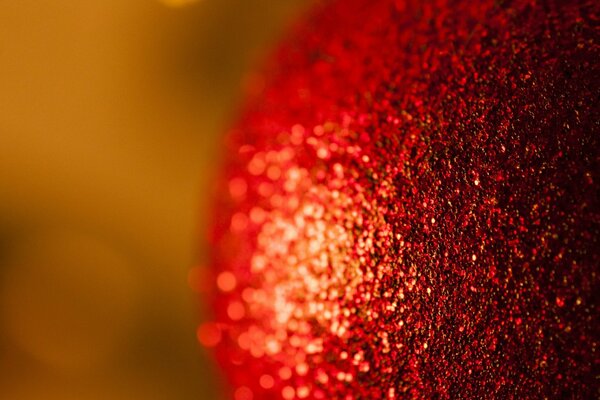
(410, 207)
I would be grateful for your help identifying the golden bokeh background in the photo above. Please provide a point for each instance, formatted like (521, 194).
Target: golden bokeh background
(111, 116)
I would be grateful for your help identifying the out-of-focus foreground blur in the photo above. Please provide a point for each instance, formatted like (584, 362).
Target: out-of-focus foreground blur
(110, 120)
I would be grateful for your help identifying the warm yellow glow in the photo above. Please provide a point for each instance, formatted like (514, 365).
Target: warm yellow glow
(110, 117)
(178, 3)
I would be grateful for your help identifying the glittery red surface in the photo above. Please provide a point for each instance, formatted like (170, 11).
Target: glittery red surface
(410, 207)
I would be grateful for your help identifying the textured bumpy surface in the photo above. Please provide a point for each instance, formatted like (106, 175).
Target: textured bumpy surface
(410, 207)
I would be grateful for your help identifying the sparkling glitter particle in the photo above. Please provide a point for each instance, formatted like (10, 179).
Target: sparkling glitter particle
(410, 207)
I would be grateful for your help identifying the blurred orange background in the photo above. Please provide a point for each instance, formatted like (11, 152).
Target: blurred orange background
(111, 116)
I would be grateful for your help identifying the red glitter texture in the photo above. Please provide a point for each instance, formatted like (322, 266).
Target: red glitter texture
(410, 207)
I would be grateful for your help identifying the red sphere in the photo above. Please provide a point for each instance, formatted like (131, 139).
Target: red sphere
(410, 207)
